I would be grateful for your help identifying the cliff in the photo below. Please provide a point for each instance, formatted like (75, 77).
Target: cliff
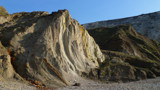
(129, 55)
(50, 49)
(54, 50)
(146, 24)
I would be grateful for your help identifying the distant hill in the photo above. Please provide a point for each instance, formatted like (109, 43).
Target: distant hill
(146, 24)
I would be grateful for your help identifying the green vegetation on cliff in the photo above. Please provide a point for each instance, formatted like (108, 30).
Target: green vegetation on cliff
(3, 12)
(129, 55)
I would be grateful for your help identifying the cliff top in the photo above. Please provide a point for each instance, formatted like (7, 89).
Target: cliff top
(3, 11)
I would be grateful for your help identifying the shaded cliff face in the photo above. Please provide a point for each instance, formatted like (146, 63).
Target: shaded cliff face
(146, 24)
(125, 39)
(129, 55)
(49, 48)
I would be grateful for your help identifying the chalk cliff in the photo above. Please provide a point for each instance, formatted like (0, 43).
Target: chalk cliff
(146, 24)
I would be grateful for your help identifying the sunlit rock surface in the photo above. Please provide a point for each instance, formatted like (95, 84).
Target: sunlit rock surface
(3, 11)
(48, 48)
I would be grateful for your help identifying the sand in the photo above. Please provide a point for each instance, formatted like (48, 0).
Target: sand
(149, 84)
(14, 85)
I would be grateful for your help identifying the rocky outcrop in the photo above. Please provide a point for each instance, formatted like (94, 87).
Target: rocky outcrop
(7, 71)
(3, 15)
(49, 48)
(129, 55)
(146, 24)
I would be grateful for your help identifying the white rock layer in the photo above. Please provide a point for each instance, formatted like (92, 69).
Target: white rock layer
(146, 24)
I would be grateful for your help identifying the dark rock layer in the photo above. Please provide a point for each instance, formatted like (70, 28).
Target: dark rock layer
(129, 55)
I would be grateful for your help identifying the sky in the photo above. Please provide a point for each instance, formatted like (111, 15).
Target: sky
(86, 11)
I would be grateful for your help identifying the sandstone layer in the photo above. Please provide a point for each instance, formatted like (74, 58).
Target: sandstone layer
(47, 49)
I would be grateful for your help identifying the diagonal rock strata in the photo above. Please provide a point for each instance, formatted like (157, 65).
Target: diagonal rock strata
(49, 48)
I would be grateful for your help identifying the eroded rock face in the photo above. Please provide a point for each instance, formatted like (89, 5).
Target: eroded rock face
(124, 38)
(3, 14)
(129, 55)
(146, 24)
(6, 69)
(50, 48)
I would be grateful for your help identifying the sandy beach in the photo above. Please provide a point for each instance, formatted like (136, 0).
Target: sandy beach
(149, 84)
(14, 85)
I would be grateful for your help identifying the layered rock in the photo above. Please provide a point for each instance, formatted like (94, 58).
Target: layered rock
(125, 39)
(6, 69)
(49, 48)
(54, 49)
(146, 24)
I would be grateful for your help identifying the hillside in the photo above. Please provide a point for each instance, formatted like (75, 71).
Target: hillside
(129, 55)
(146, 24)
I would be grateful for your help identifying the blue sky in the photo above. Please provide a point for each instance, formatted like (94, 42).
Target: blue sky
(85, 11)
